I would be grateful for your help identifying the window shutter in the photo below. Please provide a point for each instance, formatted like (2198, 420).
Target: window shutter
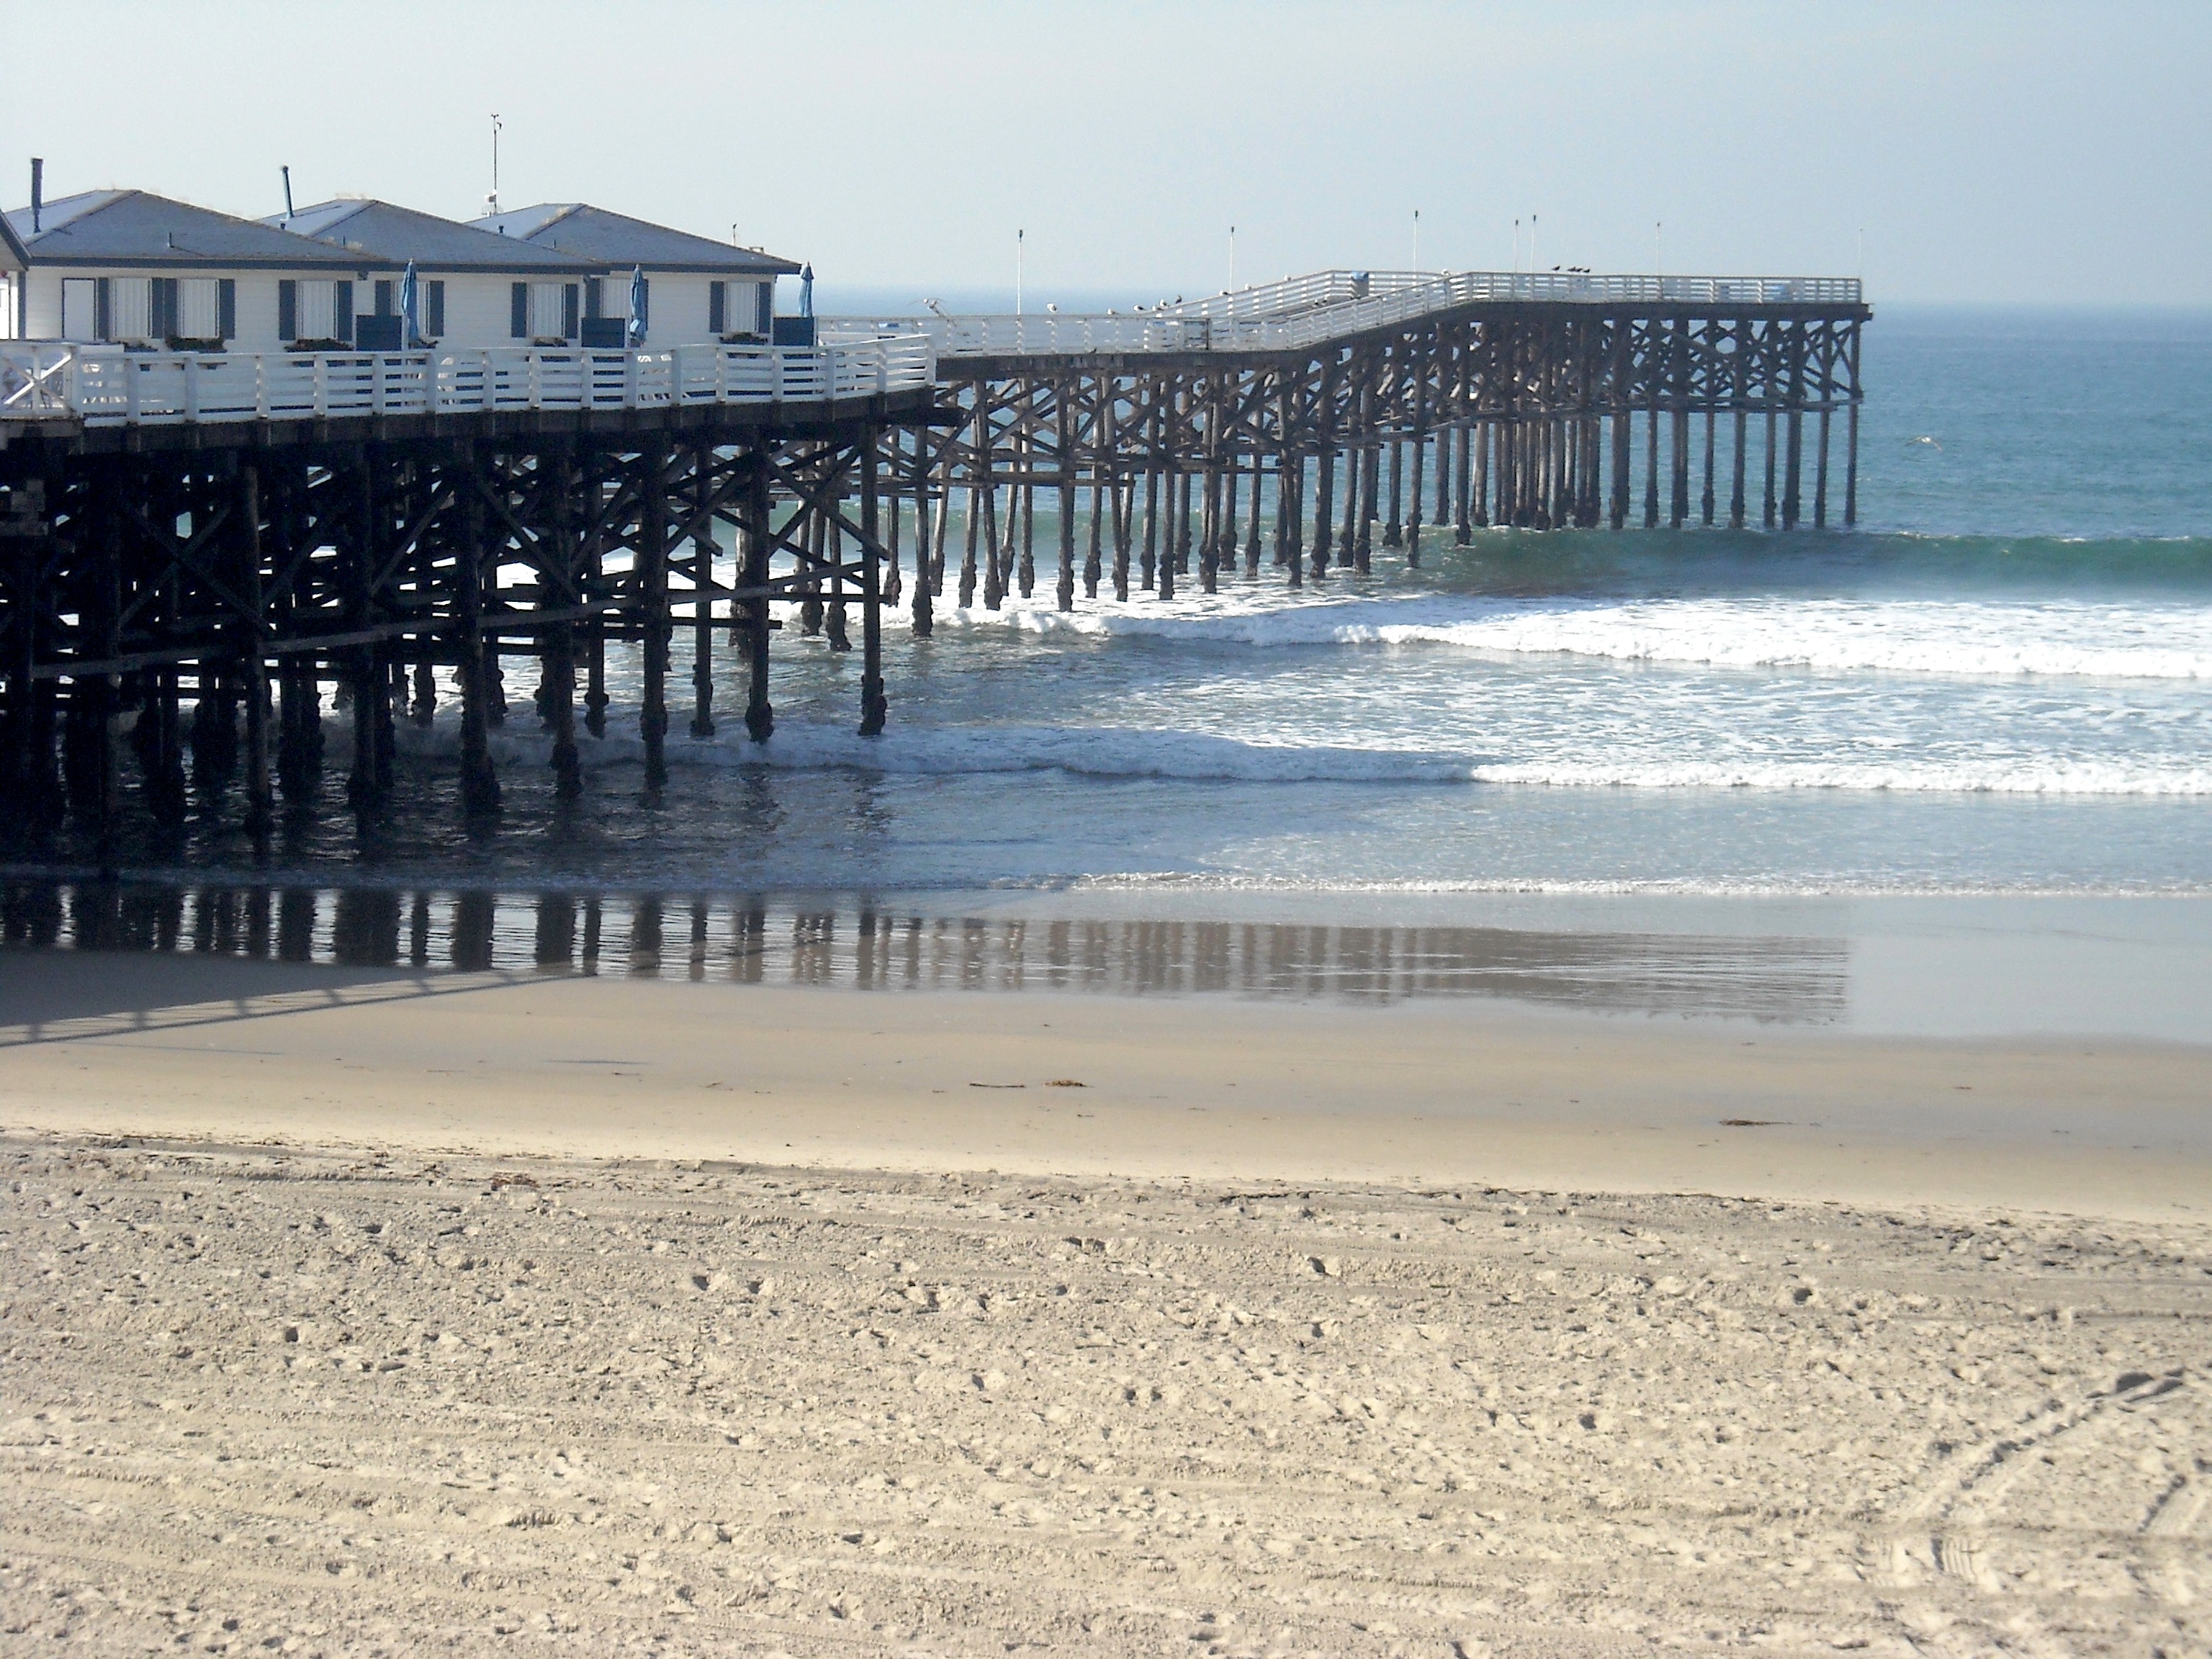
(518, 322)
(569, 297)
(226, 308)
(717, 307)
(645, 304)
(103, 317)
(288, 309)
(342, 311)
(434, 312)
(763, 308)
(594, 299)
(163, 325)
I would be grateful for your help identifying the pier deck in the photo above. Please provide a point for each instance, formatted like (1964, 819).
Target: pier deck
(237, 533)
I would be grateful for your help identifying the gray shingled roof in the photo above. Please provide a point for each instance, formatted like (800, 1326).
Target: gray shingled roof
(614, 240)
(398, 233)
(134, 227)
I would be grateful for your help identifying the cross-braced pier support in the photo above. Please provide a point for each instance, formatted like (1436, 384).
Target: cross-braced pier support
(257, 581)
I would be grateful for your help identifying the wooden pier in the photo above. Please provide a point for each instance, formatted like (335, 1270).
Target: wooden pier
(195, 550)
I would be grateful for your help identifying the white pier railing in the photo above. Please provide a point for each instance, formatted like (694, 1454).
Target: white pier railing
(1308, 311)
(106, 386)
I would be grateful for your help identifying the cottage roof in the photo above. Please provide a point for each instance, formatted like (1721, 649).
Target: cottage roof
(399, 233)
(614, 239)
(137, 227)
(18, 258)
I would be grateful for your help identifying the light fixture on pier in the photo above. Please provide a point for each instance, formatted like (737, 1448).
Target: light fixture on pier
(492, 200)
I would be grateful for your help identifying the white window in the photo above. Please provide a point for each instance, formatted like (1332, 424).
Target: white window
(197, 313)
(549, 305)
(129, 314)
(318, 312)
(80, 308)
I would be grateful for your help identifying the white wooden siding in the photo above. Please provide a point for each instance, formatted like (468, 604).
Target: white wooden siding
(680, 304)
(255, 296)
(479, 310)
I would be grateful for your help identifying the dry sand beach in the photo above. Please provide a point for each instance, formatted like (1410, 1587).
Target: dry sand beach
(353, 1312)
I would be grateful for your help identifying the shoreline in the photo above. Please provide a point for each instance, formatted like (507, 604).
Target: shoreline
(1214, 1087)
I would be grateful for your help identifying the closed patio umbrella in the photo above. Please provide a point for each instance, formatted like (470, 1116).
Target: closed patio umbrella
(637, 306)
(409, 310)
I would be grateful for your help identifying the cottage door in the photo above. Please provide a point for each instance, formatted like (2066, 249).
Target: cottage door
(80, 309)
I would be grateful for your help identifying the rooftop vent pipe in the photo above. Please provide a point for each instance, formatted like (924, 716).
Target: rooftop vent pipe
(38, 190)
(287, 172)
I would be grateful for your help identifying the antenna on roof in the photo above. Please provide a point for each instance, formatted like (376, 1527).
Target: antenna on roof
(492, 200)
(287, 172)
(38, 190)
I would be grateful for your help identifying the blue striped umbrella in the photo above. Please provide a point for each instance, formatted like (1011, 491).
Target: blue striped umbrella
(637, 306)
(409, 304)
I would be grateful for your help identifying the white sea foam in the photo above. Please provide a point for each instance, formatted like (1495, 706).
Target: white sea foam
(1978, 639)
(1111, 752)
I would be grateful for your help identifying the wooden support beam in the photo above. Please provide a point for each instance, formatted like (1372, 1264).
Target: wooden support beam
(978, 468)
(366, 786)
(703, 549)
(1852, 437)
(559, 643)
(1735, 487)
(888, 502)
(650, 594)
(873, 705)
(1679, 469)
(1064, 437)
(472, 552)
(1462, 520)
(1769, 513)
(1820, 475)
(253, 660)
(759, 542)
(1420, 447)
(1706, 503)
(1324, 507)
(1254, 531)
(1394, 526)
(1209, 533)
(928, 534)
(830, 532)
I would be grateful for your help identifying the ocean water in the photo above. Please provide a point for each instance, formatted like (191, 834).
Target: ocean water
(1999, 684)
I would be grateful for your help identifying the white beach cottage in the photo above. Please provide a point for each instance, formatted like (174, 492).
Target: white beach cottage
(128, 268)
(475, 288)
(697, 290)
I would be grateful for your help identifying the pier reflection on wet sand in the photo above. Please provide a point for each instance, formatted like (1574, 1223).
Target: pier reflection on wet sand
(879, 945)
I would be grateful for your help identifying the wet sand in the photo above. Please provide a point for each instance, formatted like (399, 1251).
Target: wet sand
(367, 1311)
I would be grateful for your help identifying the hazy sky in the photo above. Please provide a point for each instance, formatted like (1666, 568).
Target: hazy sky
(2016, 151)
